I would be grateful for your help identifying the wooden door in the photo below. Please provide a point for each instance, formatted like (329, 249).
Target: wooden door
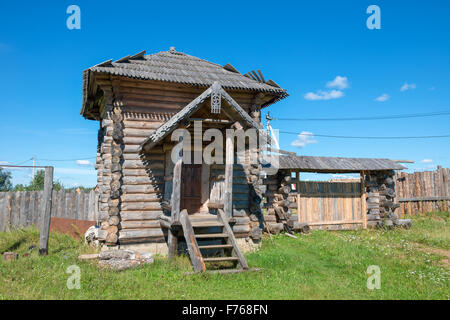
(191, 189)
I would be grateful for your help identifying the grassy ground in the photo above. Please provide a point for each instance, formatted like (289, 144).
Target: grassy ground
(323, 265)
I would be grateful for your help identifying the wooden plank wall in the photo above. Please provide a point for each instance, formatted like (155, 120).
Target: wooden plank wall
(330, 205)
(422, 192)
(22, 209)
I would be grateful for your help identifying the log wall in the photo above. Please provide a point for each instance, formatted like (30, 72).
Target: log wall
(131, 198)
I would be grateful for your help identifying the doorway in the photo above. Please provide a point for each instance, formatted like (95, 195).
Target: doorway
(191, 188)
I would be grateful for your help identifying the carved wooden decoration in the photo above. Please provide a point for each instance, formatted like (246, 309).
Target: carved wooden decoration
(215, 102)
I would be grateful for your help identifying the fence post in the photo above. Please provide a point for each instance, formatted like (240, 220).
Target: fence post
(46, 211)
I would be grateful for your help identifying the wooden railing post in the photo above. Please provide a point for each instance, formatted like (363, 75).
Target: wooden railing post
(229, 157)
(363, 200)
(46, 211)
(172, 238)
(176, 190)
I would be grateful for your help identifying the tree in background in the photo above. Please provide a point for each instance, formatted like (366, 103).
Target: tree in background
(38, 183)
(5, 180)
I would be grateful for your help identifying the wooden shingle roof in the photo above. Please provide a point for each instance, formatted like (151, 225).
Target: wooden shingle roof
(336, 165)
(178, 67)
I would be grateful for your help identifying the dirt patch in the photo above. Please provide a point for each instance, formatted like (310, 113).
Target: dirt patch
(437, 251)
(72, 227)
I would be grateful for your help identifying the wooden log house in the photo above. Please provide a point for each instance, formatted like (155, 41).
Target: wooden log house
(145, 197)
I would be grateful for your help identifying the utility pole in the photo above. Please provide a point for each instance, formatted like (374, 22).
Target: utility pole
(269, 128)
(34, 165)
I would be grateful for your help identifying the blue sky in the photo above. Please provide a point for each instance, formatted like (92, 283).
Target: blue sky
(302, 45)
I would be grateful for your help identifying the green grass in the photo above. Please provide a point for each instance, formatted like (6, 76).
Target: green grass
(322, 265)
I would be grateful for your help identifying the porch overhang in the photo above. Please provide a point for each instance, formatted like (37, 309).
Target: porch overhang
(164, 130)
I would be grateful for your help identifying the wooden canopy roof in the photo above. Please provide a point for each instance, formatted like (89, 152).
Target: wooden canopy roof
(336, 165)
(178, 67)
(165, 129)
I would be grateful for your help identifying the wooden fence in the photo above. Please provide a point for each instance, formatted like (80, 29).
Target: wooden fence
(331, 205)
(23, 208)
(422, 192)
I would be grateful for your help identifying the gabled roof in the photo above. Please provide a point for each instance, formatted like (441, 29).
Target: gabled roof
(179, 67)
(165, 129)
(336, 165)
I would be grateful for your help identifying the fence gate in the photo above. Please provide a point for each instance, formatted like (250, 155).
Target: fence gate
(331, 205)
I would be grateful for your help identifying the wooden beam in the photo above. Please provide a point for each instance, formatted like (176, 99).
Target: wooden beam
(46, 211)
(172, 237)
(176, 190)
(336, 222)
(229, 159)
(219, 121)
(225, 271)
(418, 199)
(363, 200)
(191, 242)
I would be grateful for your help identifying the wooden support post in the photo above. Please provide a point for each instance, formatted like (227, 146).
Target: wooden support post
(172, 238)
(229, 160)
(46, 211)
(363, 201)
(176, 190)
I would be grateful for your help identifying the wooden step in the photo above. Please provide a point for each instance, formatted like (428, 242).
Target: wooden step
(206, 223)
(224, 271)
(218, 259)
(211, 235)
(216, 246)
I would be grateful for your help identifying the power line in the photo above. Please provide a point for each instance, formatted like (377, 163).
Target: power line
(90, 158)
(398, 116)
(18, 164)
(366, 137)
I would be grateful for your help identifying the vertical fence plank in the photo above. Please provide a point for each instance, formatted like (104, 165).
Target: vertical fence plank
(28, 213)
(22, 214)
(3, 198)
(90, 206)
(15, 209)
(31, 207)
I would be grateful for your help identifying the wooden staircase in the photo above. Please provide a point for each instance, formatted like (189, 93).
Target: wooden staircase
(210, 241)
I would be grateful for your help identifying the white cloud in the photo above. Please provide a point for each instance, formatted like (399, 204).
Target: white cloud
(427, 161)
(338, 82)
(324, 95)
(86, 163)
(408, 86)
(303, 139)
(384, 97)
